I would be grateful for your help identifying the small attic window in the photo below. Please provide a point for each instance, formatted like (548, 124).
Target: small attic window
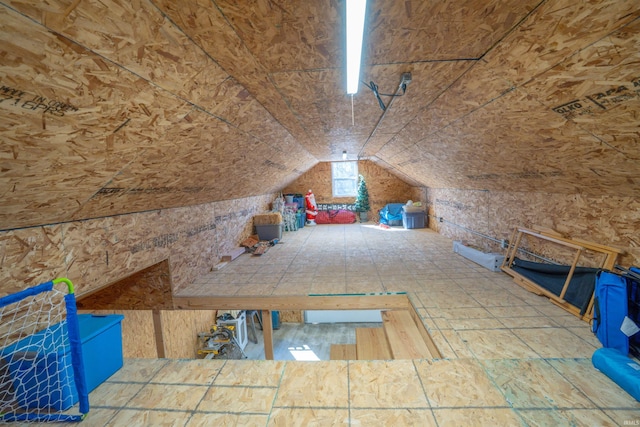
(344, 179)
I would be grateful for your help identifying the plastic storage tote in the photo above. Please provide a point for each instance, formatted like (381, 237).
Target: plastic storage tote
(413, 219)
(47, 378)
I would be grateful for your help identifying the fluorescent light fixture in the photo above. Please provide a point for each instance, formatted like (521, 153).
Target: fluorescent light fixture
(344, 155)
(355, 30)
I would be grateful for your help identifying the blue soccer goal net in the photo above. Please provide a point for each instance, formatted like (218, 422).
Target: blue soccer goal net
(41, 370)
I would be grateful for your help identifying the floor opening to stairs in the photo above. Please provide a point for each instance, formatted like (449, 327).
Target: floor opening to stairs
(373, 334)
(369, 326)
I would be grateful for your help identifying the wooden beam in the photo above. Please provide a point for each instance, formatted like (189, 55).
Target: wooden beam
(433, 349)
(403, 336)
(267, 333)
(371, 344)
(313, 302)
(343, 352)
(558, 240)
(570, 275)
(157, 329)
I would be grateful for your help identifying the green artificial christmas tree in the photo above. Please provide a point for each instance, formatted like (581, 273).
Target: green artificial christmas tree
(362, 199)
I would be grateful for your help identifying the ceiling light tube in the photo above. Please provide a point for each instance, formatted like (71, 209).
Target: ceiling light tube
(344, 155)
(355, 30)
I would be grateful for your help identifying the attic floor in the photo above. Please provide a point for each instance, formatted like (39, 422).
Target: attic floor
(509, 357)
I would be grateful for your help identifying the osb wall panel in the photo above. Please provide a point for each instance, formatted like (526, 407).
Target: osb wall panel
(608, 220)
(147, 289)
(180, 331)
(329, 118)
(408, 24)
(383, 187)
(235, 220)
(92, 112)
(138, 335)
(30, 257)
(94, 253)
(572, 60)
(554, 31)
(603, 97)
(209, 26)
(291, 316)
(544, 151)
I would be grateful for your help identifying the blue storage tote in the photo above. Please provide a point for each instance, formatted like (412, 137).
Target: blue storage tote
(413, 219)
(275, 319)
(101, 338)
(46, 379)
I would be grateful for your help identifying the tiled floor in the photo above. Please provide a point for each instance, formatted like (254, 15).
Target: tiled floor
(510, 358)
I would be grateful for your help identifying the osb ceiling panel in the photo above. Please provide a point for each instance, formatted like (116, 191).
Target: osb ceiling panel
(414, 30)
(115, 106)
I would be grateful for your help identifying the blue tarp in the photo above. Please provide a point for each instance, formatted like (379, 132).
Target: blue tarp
(391, 212)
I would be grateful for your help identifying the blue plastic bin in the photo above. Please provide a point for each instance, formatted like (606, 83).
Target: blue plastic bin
(101, 338)
(275, 319)
(46, 378)
(413, 219)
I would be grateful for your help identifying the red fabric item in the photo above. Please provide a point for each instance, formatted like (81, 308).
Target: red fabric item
(336, 217)
(323, 218)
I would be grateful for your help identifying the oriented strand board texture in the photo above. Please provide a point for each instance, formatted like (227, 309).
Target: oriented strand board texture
(383, 186)
(91, 114)
(147, 289)
(98, 252)
(180, 331)
(610, 220)
(138, 336)
(291, 316)
(553, 105)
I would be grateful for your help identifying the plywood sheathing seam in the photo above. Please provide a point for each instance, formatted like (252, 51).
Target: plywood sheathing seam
(126, 102)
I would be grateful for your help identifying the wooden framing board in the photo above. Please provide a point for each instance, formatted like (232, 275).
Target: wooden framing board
(343, 352)
(433, 349)
(372, 344)
(611, 255)
(403, 336)
(315, 302)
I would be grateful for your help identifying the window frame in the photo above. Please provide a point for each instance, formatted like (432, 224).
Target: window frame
(353, 178)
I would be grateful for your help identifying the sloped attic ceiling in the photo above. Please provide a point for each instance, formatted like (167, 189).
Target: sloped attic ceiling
(110, 107)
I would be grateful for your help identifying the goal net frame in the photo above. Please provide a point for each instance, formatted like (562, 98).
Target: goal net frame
(42, 377)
